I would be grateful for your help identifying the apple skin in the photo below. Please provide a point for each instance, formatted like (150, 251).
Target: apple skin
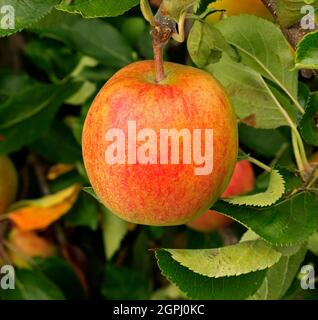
(158, 194)
(242, 181)
(8, 183)
(235, 7)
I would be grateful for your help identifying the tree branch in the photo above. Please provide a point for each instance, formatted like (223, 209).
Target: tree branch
(293, 33)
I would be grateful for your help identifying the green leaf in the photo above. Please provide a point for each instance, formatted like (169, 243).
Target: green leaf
(206, 44)
(91, 192)
(76, 126)
(26, 12)
(144, 45)
(202, 6)
(175, 8)
(262, 47)
(52, 57)
(11, 83)
(203, 240)
(292, 180)
(272, 140)
(84, 213)
(30, 285)
(307, 52)
(249, 235)
(27, 115)
(50, 147)
(85, 92)
(141, 260)
(196, 286)
(289, 12)
(280, 276)
(313, 243)
(125, 284)
(94, 38)
(133, 28)
(241, 258)
(97, 8)
(303, 94)
(170, 292)
(274, 192)
(114, 231)
(61, 273)
(252, 99)
(309, 123)
(288, 222)
(99, 73)
(65, 181)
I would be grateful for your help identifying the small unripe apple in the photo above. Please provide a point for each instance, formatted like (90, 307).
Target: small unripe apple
(141, 181)
(25, 245)
(8, 183)
(242, 181)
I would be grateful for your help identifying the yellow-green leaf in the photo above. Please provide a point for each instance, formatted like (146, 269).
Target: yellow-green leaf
(274, 192)
(241, 258)
(39, 214)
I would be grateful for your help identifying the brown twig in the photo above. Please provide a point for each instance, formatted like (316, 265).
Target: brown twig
(11, 51)
(158, 54)
(293, 33)
(161, 33)
(39, 171)
(25, 182)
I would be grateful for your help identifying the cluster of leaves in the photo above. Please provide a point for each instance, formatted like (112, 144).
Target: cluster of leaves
(67, 59)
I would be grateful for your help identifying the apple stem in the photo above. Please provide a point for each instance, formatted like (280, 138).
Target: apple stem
(161, 33)
(259, 164)
(158, 57)
(163, 28)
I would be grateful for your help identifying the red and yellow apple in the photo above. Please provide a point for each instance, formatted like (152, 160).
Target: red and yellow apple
(155, 192)
(235, 7)
(8, 183)
(242, 182)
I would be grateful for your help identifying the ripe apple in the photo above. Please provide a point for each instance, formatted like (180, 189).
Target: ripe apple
(234, 8)
(157, 192)
(8, 183)
(242, 182)
(25, 245)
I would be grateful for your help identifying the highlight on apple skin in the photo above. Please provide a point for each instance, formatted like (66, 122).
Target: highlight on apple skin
(8, 183)
(160, 194)
(242, 182)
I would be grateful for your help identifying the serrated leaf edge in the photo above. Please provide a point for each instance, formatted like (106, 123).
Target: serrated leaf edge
(28, 25)
(226, 276)
(268, 204)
